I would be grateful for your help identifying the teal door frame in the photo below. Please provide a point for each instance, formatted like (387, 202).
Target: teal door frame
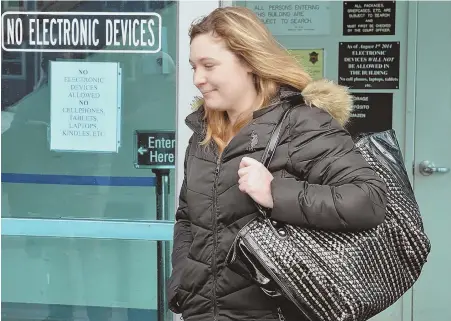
(409, 129)
(410, 100)
(153, 230)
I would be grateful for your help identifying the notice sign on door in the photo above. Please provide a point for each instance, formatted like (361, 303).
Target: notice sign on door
(373, 112)
(293, 18)
(369, 18)
(369, 65)
(84, 106)
(154, 149)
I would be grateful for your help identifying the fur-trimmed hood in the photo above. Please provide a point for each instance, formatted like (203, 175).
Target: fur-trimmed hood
(323, 93)
(333, 98)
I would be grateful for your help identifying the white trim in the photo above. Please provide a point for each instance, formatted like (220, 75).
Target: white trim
(187, 12)
(409, 134)
(409, 131)
(226, 3)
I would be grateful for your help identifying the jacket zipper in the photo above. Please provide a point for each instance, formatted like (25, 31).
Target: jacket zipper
(215, 236)
(214, 214)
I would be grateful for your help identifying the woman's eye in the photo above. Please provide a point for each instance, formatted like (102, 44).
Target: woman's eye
(209, 66)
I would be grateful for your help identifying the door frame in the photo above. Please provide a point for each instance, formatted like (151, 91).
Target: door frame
(409, 129)
(411, 83)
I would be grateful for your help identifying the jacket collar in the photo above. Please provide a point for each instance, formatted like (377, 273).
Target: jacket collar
(196, 121)
(324, 94)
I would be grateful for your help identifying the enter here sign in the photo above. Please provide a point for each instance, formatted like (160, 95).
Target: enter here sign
(155, 149)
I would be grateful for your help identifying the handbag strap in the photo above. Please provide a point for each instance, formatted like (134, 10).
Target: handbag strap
(269, 152)
(273, 140)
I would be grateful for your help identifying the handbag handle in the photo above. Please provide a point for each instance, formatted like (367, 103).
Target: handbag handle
(269, 153)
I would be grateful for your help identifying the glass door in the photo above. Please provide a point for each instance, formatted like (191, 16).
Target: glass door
(86, 231)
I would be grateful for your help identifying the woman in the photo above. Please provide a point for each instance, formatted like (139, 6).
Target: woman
(317, 178)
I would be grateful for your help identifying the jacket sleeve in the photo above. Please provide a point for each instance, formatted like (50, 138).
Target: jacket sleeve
(332, 187)
(181, 243)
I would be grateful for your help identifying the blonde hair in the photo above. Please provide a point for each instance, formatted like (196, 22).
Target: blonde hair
(247, 37)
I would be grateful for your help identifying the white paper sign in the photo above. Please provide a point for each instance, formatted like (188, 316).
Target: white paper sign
(84, 106)
(293, 18)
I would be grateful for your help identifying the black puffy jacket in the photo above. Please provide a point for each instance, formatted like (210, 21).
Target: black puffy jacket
(320, 180)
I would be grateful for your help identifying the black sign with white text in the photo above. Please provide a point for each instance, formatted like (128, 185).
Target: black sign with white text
(369, 65)
(373, 112)
(155, 149)
(369, 18)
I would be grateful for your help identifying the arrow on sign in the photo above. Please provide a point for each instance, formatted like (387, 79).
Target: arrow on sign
(142, 150)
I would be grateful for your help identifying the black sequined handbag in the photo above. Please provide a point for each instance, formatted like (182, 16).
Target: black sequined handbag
(339, 276)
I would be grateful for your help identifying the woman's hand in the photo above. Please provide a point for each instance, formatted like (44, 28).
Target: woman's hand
(255, 180)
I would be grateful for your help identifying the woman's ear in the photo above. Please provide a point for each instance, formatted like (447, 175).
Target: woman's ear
(246, 66)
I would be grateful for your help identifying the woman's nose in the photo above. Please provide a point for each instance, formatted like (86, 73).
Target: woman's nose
(199, 78)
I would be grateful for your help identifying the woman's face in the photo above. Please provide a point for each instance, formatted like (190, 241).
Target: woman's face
(220, 76)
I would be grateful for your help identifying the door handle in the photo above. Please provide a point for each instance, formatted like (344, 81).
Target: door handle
(427, 168)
